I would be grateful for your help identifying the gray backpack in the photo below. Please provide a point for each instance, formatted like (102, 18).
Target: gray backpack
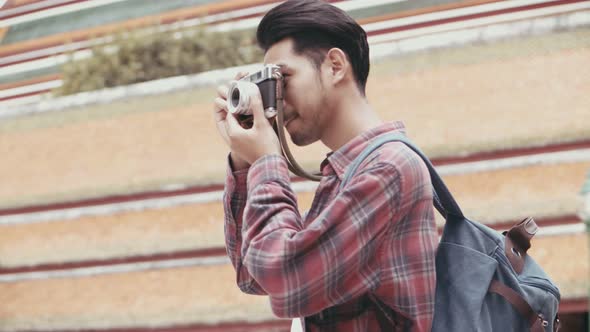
(485, 279)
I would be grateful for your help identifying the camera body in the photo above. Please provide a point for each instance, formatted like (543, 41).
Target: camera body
(268, 81)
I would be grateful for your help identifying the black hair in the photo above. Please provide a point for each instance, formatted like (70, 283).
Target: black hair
(316, 26)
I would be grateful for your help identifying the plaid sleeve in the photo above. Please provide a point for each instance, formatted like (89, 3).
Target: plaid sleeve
(234, 201)
(335, 258)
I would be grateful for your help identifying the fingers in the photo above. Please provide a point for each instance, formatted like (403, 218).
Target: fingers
(222, 91)
(232, 126)
(225, 123)
(241, 75)
(220, 109)
(220, 104)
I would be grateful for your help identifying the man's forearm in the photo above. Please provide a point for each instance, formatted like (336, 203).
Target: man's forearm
(234, 201)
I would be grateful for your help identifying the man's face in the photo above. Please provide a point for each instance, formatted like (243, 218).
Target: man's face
(305, 101)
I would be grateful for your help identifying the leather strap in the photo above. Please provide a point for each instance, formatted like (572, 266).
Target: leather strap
(522, 233)
(536, 321)
(443, 199)
(280, 130)
(518, 241)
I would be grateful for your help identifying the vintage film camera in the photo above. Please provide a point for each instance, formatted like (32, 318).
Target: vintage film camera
(265, 80)
(269, 81)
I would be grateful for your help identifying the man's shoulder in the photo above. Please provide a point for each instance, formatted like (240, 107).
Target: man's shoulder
(401, 158)
(395, 153)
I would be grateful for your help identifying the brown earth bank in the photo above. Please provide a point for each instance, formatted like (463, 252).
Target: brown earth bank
(467, 105)
(566, 259)
(490, 197)
(185, 227)
(203, 294)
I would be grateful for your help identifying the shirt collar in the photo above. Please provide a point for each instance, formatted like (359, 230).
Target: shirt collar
(340, 159)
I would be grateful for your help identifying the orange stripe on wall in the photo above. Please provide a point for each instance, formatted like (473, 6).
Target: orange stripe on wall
(427, 10)
(168, 17)
(191, 13)
(8, 4)
(16, 3)
(35, 80)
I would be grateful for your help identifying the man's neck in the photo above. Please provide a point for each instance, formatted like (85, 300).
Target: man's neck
(352, 117)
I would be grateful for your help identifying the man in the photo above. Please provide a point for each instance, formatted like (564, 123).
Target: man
(362, 258)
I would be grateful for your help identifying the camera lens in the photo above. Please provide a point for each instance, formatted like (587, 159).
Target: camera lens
(235, 97)
(238, 99)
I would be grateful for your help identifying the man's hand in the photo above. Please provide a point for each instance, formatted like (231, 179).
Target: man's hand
(246, 144)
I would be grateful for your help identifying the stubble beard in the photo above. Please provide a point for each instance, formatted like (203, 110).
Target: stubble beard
(310, 131)
(300, 138)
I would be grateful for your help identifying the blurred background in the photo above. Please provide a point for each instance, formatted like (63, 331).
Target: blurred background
(111, 171)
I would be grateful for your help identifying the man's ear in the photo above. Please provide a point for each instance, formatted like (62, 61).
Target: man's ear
(338, 64)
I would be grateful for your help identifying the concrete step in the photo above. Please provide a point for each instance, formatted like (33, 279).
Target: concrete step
(204, 294)
(183, 223)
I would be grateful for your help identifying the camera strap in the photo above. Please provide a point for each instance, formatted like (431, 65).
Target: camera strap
(279, 127)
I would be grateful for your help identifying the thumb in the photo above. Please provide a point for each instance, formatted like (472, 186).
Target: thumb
(232, 125)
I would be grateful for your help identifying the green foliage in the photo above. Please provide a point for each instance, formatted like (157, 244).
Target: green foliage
(138, 57)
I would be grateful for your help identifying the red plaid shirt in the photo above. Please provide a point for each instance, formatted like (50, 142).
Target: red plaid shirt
(376, 236)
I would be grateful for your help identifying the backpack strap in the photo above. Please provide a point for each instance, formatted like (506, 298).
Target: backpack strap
(443, 199)
(536, 321)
